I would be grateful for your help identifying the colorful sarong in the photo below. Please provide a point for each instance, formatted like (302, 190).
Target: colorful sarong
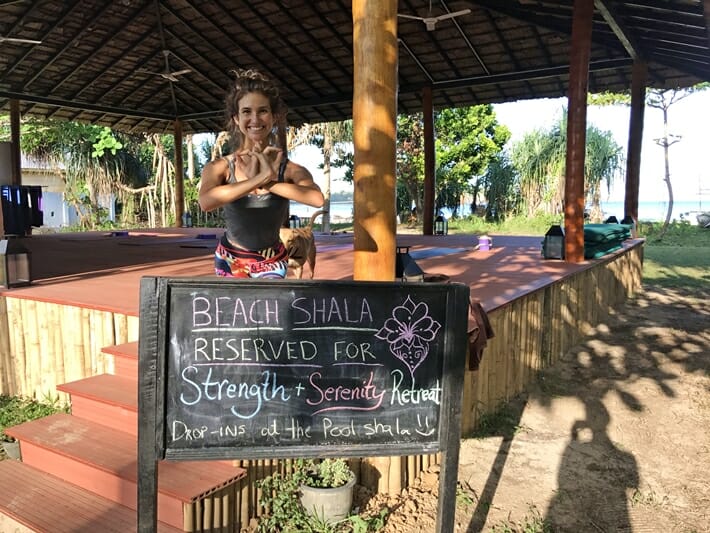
(237, 263)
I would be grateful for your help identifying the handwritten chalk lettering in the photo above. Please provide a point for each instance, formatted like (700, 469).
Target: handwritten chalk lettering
(375, 427)
(231, 430)
(253, 395)
(252, 350)
(424, 427)
(271, 430)
(229, 312)
(296, 430)
(351, 351)
(331, 311)
(331, 430)
(412, 395)
(363, 397)
(181, 431)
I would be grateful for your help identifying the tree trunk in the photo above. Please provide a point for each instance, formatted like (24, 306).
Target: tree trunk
(667, 175)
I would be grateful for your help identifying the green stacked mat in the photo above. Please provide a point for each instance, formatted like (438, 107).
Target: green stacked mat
(601, 239)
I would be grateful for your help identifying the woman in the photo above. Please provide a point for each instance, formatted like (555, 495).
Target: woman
(255, 183)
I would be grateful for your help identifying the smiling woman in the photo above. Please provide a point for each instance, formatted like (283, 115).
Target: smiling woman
(255, 183)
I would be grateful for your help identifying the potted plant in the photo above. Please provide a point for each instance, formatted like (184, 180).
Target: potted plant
(301, 497)
(327, 489)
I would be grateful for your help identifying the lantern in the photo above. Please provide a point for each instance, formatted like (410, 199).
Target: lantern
(294, 222)
(14, 264)
(441, 226)
(553, 247)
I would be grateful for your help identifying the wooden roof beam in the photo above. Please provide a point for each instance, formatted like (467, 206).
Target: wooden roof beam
(625, 36)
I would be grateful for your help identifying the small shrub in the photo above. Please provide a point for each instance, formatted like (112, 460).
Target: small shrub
(328, 473)
(15, 410)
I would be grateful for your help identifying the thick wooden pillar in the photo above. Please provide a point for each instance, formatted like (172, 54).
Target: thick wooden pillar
(15, 155)
(374, 138)
(633, 156)
(577, 129)
(429, 162)
(179, 179)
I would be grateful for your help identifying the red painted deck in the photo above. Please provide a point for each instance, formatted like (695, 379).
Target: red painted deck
(101, 271)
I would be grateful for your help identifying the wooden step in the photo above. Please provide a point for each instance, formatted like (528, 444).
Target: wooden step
(125, 359)
(103, 460)
(105, 399)
(31, 500)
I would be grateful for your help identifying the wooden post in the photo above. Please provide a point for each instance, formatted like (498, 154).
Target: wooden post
(633, 157)
(429, 162)
(179, 180)
(15, 156)
(577, 129)
(375, 58)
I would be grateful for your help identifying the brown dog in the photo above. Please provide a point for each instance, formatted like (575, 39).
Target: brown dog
(301, 246)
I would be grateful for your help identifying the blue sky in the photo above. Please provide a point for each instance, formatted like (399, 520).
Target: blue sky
(689, 158)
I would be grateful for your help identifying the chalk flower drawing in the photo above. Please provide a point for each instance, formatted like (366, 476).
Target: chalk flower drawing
(409, 331)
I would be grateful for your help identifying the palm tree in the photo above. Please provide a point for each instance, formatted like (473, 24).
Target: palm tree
(540, 161)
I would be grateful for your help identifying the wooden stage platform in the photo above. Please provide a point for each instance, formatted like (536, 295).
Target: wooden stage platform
(100, 271)
(84, 297)
(73, 332)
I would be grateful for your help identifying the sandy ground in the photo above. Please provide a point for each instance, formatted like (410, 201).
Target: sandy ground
(615, 437)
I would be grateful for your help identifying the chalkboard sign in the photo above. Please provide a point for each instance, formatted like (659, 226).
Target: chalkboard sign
(251, 369)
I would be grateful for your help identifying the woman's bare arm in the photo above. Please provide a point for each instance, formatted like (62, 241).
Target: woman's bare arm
(215, 191)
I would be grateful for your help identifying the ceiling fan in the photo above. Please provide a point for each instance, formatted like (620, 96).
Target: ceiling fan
(18, 40)
(430, 22)
(167, 73)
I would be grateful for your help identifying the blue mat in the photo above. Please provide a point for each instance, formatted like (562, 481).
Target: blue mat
(434, 252)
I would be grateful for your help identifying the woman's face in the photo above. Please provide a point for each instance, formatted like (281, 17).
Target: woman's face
(254, 117)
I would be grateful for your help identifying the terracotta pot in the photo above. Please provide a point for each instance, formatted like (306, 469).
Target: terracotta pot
(328, 504)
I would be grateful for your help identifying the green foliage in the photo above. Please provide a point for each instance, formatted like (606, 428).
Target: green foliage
(361, 524)
(280, 499)
(467, 140)
(680, 259)
(500, 185)
(15, 410)
(504, 421)
(533, 522)
(515, 225)
(328, 473)
(540, 159)
(281, 492)
(105, 142)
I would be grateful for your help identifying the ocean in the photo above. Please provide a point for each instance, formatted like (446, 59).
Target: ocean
(656, 211)
(650, 211)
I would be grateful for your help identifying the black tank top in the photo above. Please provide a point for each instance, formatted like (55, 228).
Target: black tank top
(253, 221)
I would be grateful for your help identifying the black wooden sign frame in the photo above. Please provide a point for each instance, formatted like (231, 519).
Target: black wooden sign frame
(251, 369)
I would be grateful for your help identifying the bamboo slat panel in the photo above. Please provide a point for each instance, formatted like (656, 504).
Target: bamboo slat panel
(44, 344)
(534, 331)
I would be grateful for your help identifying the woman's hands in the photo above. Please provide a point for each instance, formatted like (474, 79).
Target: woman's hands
(260, 167)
